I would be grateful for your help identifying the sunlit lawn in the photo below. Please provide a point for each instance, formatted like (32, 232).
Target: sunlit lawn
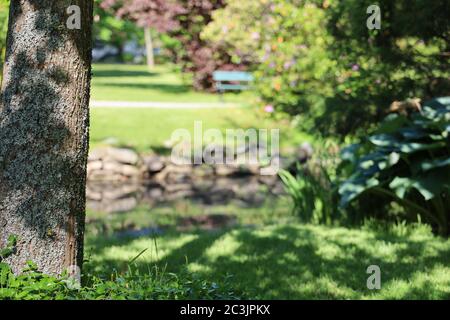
(293, 261)
(123, 82)
(145, 128)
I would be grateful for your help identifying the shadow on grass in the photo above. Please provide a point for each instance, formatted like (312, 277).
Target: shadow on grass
(112, 73)
(289, 262)
(167, 88)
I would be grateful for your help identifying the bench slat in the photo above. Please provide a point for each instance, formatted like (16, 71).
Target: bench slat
(232, 76)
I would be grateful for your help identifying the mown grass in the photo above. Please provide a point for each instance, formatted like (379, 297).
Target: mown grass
(123, 82)
(143, 129)
(294, 261)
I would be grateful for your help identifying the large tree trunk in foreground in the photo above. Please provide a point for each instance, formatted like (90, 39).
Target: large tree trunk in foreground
(44, 118)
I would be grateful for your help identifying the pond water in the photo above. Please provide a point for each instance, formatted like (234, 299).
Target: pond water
(126, 209)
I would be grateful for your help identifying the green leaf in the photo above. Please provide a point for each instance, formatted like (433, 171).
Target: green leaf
(384, 140)
(352, 188)
(414, 147)
(433, 164)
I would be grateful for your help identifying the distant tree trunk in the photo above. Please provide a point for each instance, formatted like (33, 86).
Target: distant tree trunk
(149, 47)
(44, 119)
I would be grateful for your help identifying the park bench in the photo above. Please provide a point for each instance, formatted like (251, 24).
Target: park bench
(232, 80)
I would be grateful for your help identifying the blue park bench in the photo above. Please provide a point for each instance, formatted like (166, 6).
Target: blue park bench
(232, 80)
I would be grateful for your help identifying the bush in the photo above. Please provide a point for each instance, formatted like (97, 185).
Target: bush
(406, 161)
(285, 42)
(33, 285)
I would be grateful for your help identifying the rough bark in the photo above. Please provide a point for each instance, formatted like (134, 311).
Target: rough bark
(44, 119)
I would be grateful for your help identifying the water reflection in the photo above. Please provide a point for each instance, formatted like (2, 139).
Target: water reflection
(110, 197)
(127, 209)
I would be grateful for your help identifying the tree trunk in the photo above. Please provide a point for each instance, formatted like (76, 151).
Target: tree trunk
(149, 47)
(44, 119)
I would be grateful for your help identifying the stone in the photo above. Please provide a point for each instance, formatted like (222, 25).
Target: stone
(154, 164)
(130, 171)
(226, 170)
(98, 154)
(123, 155)
(106, 175)
(112, 167)
(94, 165)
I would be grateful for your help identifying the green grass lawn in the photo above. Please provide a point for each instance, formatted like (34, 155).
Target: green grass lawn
(143, 129)
(123, 82)
(293, 261)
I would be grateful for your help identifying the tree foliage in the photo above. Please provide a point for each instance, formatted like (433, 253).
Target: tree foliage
(318, 59)
(182, 20)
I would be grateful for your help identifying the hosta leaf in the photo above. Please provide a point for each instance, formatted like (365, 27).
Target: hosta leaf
(401, 186)
(394, 158)
(429, 185)
(384, 140)
(414, 147)
(350, 153)
(438, 163)
(413, 133)
(351, 189)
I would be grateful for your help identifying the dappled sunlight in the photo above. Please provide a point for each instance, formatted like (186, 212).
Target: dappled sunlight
(301, 262)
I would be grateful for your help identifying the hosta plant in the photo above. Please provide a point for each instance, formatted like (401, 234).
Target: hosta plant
(406, 161)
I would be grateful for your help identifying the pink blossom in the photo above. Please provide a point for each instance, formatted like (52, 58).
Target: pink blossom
(255, 36)
(269, 108)
(355, 67)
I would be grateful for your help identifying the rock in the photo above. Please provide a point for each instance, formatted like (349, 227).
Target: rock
(112, 166)
(121, 155)
(93, 195)
(121, 191)
(98, 154)
(154, 164)
(178, 187)
(203, 171)
(155, 193)
(106, 175)
(225, 170)
(94, 165)
(130, 171)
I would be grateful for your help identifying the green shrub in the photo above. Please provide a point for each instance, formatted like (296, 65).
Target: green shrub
(132, 285)
(406, 161)
(284, 42)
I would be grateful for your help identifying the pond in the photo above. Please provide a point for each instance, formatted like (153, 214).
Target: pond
(137, 209)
